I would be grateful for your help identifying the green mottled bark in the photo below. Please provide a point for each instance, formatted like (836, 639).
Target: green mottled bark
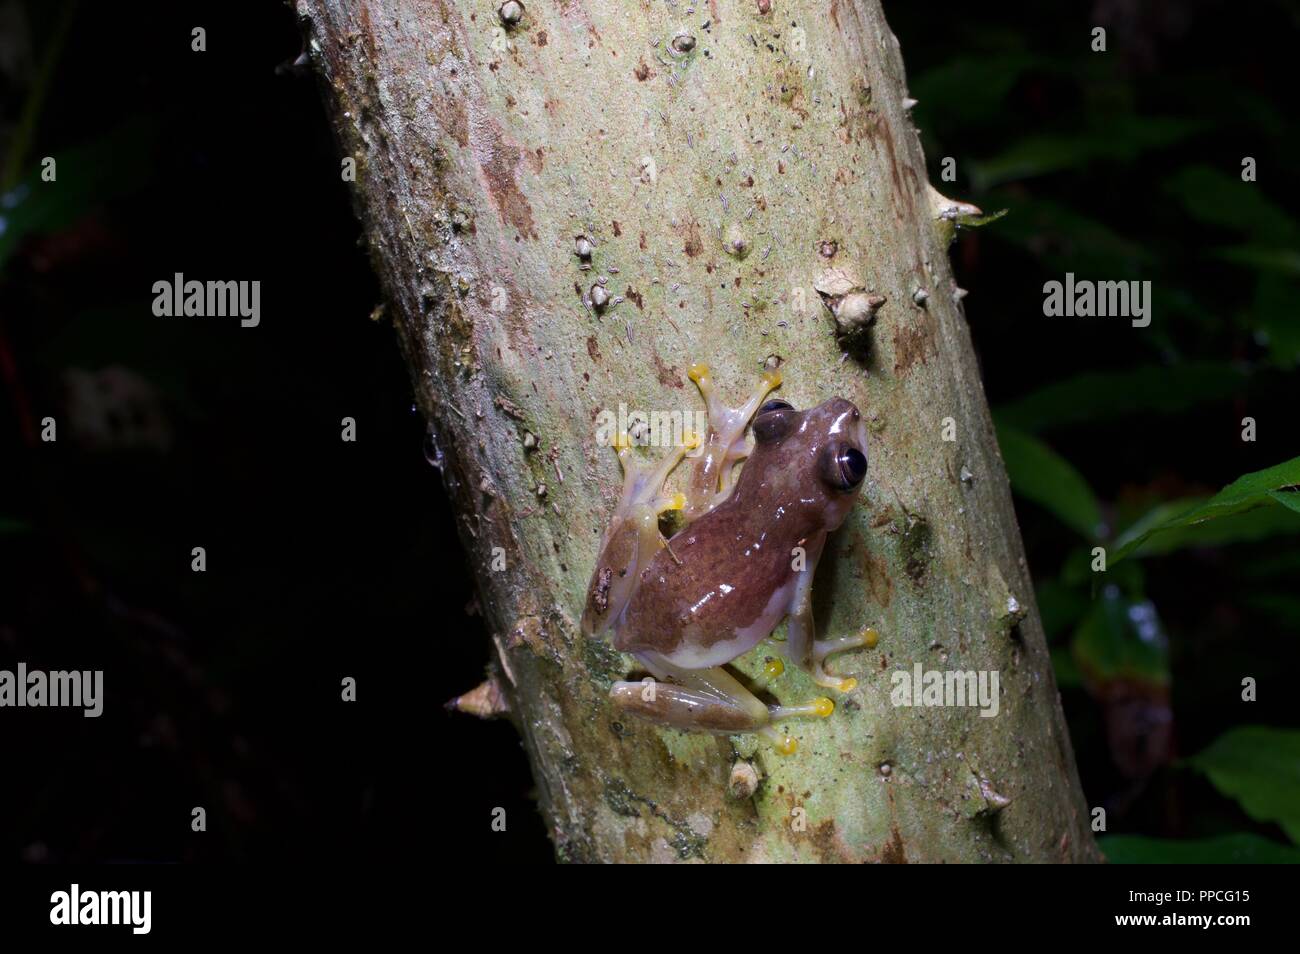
(783, 135)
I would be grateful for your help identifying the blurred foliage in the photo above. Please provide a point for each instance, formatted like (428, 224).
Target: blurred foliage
(117, 164)
(1123, 139)
(1121, 639)
(1040, 474)
(1240, 849)
(1260, 767)
(1157, 594)
(1106, 395)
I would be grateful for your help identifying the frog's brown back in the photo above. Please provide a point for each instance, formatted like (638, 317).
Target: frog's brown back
(715, 579)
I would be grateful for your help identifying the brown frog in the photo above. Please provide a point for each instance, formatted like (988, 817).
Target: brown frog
(745, 560)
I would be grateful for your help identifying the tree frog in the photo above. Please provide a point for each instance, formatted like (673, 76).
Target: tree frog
(685, 606)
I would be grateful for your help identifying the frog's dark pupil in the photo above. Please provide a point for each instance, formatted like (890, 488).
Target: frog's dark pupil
(775, 406)
(854, 464)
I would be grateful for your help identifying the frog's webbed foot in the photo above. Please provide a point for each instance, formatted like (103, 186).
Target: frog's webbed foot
(823, 649)
(707, 700)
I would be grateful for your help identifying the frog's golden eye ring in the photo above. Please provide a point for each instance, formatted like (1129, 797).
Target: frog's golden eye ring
(843, 466)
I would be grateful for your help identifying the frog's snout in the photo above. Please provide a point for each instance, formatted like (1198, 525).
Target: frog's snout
(848, 420)
(839, 406)
(848, 423)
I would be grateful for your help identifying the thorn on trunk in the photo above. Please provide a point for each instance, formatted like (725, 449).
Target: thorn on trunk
(744, 780)
(486, 701)
(994, 802)
(511, 12)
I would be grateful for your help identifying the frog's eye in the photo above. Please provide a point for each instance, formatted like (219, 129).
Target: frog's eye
(843, 466)
(774, 420)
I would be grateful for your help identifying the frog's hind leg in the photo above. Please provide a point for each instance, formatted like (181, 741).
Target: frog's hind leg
(725, 445)
(633, 539)
(707, 700)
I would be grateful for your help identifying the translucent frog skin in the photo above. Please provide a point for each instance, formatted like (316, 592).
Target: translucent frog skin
(744, 561)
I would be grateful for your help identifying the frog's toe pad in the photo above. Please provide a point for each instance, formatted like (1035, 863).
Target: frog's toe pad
(784, 744)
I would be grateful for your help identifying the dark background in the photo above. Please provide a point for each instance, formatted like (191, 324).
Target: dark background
(329, 559)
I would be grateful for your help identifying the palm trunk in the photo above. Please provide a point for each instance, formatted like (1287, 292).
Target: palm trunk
(734, 186)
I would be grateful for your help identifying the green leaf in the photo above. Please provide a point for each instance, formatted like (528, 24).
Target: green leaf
(1124, 139)
(1238, 849)
(1039, 474)
(1064, 239)
(968, 91)
(1285, 261)
(1260, 523)
(978, 221)
(1122, 639)
(1249, 527)
(1260, 768)
(1216, 198)
(1104, 395)
(1287, 498)
(1248, 490)
(1245, 493)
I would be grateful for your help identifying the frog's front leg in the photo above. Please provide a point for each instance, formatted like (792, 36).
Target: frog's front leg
(707, 700)
(804, 649)
(725, 444)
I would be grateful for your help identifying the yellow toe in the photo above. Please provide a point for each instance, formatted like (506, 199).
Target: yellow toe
(788, 746)
(773, 668)
(697, 371)
(870, 637)
(823, 707)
